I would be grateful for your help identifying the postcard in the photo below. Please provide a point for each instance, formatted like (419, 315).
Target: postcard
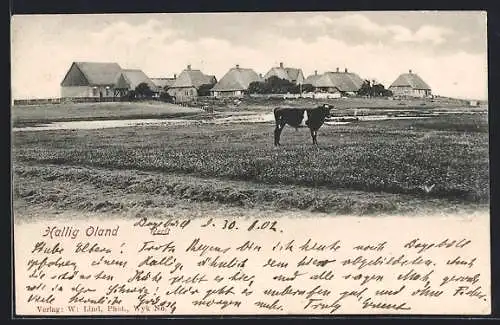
(265, 163)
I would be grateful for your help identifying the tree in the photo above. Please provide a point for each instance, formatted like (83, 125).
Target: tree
(374, 89)
(378, 90)
(388, 93)
(143, 90)
(204, 90)
(307, 88)
(366, 89)
(280, 86)
(258, 87)
(165, 97)
(273, 85)
(130, 96)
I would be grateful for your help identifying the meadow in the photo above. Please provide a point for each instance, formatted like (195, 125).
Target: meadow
(23, 115)
(367, 167)
(38, 114)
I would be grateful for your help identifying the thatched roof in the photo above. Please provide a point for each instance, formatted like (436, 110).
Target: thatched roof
(311, 80)
(277, 72)
(134, 77)
(294, 73)
(92, 74)
(356, 79)
(163, 82)
(192, 78)
(237, 79)
(410, 79)
(343, 81)
(290, 74)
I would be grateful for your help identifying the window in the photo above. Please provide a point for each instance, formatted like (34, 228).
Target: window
(94, 91)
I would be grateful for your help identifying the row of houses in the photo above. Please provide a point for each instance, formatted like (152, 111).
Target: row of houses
(94, 79)
(98, 79)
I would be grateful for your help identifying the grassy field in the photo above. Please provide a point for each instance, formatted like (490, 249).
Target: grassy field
(342, 104)
(37, 114)
(368, 167)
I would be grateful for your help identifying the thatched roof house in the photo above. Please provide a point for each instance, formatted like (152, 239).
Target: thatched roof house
(192, 78)
(410, 84)
(293, 75)
(90, 79)
(187, 85)
(131, 78)
(344, 82)
(235, 82)
(312, 78)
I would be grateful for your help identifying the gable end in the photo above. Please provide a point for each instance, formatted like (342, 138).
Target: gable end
(74, 77)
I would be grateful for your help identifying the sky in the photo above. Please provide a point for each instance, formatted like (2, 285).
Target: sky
(447, 49)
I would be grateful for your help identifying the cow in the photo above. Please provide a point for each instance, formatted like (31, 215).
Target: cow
(294, 116)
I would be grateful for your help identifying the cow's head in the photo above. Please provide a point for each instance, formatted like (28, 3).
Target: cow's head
(327, 108)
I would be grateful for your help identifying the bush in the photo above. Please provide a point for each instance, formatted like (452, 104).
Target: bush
(373, 89)
(273, 85)
(143, 91)
(307, 88)
(165, 97)
(130, 96)
(258, 87)
(204, 90)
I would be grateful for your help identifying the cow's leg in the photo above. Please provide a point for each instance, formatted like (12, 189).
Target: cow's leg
(277, 133)
(313, 136)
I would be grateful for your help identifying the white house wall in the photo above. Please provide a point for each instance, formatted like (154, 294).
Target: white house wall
(232, 93)
(86, 91)
(75, 91)
(410, 92)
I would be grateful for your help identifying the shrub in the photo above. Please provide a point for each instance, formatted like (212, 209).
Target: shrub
(273, 85)
(204, 90)
(143, 91)
(165, 97)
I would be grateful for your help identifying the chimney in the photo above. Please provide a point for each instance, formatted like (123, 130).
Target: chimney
(346, 70)
(315, 72)
(281, 65)
(189, 67)
(409, 71)
(175, 76)
(338, 69)
(237, 66)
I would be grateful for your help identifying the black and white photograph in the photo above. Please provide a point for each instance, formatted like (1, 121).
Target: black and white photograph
(241, 121)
